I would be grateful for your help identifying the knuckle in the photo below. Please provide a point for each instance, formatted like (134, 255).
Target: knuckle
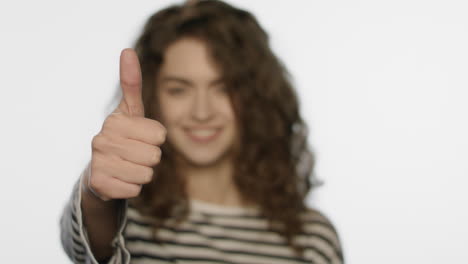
(136, 109)
(156, 156)
(162, 133)
(111, 121)
(97, 184)
(158, 131)
(93, 166)
(147, 174)
(134, 190)
(128, 83)
(97, 141)
(98, 163)
(102, 142)
(108, 123)
(107, 145)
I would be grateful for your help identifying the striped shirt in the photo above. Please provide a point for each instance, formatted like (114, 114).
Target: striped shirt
(210, 234)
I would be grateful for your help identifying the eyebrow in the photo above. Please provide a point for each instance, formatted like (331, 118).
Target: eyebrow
(186, 81)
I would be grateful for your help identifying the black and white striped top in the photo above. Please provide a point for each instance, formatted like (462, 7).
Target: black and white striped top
(211, 234)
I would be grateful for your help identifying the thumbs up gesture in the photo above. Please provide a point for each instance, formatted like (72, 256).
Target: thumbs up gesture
(127, 147)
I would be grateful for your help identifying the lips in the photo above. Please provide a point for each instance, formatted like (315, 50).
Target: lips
(203, 135)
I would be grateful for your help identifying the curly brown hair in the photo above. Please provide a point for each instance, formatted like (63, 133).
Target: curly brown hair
(274, 161)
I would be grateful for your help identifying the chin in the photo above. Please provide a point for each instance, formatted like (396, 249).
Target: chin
(204, 159)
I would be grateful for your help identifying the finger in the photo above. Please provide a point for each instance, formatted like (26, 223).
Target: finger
(127, 171)
(130, 83)
(123, 190)
(116, 189)
(137, 152)
(137, 128)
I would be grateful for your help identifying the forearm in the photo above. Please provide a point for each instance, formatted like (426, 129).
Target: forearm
(100, 219)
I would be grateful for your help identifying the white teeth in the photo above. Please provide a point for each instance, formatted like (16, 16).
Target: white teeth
(202, 132)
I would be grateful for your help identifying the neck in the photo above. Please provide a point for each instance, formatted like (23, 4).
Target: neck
(212, 184)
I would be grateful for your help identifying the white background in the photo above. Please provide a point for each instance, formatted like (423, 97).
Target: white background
(383, 86)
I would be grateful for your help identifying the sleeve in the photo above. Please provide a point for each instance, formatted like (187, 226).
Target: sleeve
(74, 237)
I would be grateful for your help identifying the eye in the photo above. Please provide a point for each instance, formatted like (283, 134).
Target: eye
(221, 88)
(176, 90)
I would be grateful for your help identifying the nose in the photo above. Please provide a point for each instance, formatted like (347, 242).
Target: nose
(202, 109)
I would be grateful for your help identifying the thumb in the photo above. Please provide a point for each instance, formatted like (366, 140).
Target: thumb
(130, 83)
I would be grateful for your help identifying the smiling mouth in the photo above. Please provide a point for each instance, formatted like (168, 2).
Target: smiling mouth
(203, 135)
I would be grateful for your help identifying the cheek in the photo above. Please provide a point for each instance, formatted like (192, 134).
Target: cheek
(224, 107)
(171, 112)
(230, 114)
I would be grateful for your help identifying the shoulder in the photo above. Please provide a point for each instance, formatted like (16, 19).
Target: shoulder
(316, 222)
(313, 215)
(322, 233)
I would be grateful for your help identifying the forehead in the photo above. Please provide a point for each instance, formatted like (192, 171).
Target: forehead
(189, 58)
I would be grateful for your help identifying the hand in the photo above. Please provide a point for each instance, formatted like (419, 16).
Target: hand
(127, 147)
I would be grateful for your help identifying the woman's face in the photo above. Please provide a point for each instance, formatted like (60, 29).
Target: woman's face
(195, 108)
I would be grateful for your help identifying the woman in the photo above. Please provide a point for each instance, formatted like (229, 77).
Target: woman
(205, 160)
